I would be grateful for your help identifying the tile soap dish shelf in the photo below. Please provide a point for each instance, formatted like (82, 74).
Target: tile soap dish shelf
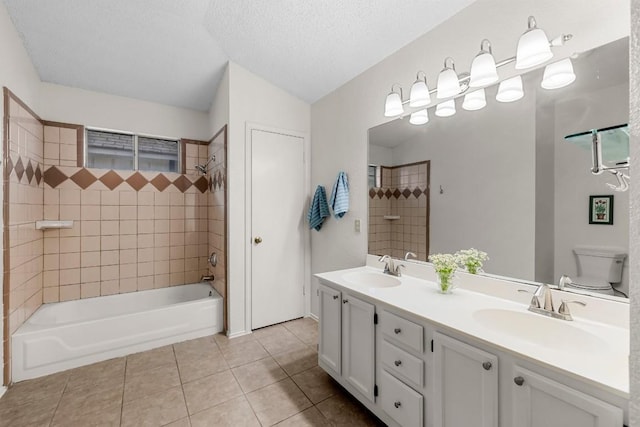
(51, 225)
(391, 217)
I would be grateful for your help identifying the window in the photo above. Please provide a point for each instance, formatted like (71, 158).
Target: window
(127, 151)
(374, 175)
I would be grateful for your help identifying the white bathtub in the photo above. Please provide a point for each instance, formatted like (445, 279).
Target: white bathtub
(66, 335)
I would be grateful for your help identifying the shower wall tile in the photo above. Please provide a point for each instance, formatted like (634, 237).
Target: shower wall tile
(132, 230)
(24, 245)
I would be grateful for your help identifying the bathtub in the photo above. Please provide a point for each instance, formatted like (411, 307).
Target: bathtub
(66, 335)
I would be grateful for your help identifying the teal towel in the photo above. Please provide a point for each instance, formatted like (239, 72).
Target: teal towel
(319, 209)
(340, 196)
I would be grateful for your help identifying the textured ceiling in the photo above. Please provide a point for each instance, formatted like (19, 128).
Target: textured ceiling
(174, 51)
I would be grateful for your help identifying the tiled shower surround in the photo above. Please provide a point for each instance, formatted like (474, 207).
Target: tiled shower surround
(132, 230)
(403, 199)
(23, 205)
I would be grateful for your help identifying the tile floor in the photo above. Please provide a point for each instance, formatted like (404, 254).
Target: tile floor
(270, 377)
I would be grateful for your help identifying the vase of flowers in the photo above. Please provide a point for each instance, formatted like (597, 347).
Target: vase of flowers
(445, 266)
(471, 259)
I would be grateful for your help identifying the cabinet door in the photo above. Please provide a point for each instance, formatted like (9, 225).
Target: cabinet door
(358, 344)
(329, 333)
(541, 402)
(465, 384)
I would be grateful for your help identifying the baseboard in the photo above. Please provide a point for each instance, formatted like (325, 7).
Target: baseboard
(2, 390)
(314, 317)
(238, 334)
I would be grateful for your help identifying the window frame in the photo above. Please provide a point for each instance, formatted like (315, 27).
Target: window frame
(135, 136)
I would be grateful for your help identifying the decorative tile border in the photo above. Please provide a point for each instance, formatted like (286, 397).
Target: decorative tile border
(20, 171)
(83, 178)
(396, 192)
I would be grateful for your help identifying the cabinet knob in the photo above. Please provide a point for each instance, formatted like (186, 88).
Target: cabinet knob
(257, 240)
(344, 301)
(518, 380)
(398, 362)
(397, 404)
(486, 365)
(397, 331)
(335, 297)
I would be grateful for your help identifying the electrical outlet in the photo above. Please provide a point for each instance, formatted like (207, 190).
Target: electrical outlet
(357, 225)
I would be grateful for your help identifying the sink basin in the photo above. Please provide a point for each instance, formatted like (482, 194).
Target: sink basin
(538, 329)
(371, 279)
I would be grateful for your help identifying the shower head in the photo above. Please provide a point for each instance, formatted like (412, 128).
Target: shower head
(203, 168)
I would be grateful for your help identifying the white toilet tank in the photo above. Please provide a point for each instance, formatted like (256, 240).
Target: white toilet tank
(600, 262)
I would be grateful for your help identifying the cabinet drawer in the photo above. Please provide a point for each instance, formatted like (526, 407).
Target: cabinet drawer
(399, 362)
(399, 401)
(403, 330)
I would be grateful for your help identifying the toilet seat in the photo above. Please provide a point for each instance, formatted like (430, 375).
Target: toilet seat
(591, 284)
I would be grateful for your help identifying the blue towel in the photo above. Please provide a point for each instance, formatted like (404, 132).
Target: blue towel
(340, 196)
(319, 209)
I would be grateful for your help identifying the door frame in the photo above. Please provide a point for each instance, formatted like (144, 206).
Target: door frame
(306, 150)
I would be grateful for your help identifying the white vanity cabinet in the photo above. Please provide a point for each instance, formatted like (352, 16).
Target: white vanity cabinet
(465, 384)
(539, 401)
(412, 371)
(347, 339)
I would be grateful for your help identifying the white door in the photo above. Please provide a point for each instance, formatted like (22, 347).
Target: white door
(358, 344)
(466, 384)
(277, 227)
(541, 402)
(330, 329)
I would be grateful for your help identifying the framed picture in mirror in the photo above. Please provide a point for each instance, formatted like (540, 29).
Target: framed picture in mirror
(601, 210)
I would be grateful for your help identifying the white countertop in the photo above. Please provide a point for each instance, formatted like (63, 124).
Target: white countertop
(606, 367)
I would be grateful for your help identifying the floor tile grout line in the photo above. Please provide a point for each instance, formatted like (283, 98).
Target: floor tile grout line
(53, 415)
(124, 381)
(184, 396)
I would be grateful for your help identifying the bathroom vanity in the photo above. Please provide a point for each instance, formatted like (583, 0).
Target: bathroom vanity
(476, 357)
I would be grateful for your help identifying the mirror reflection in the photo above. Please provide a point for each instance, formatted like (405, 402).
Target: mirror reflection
(505, 180)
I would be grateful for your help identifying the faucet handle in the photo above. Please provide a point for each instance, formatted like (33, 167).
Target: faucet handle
(397, 271)
(564, 307)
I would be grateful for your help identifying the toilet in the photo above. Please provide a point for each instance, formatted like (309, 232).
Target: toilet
(598, 268)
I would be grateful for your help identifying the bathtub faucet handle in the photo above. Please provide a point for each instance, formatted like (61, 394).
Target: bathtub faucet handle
(209, 278)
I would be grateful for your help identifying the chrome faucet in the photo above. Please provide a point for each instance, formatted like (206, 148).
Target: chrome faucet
(390, 267)
(544, 292)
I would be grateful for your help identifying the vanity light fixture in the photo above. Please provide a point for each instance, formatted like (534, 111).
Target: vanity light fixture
(419, 117)
(446, 108)
(475, 100)
(419, 96)
(557, 75)
(448, 80)
(483, 67)
(510, 90)
(533, 47)
(393, 105)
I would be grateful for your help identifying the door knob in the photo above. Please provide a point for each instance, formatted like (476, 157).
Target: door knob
(257, 240)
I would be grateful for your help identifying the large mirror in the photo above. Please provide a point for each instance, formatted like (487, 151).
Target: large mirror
(505, 180)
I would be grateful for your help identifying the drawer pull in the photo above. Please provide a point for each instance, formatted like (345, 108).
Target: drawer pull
(518, 380)
(335, 297)
(398, 362)
(486, 365)
(397, 331)
(397, 404)
(344, 301)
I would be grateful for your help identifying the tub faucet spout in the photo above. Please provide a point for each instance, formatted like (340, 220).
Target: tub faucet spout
(209, 278)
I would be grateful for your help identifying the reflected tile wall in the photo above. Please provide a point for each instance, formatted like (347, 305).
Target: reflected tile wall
(403, 199)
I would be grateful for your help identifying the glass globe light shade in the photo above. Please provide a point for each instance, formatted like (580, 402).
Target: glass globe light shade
(510, 90)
